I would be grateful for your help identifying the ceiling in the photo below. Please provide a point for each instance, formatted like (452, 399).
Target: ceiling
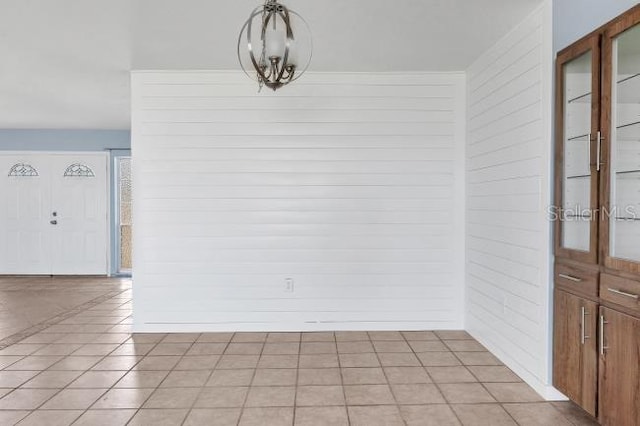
(66, 63)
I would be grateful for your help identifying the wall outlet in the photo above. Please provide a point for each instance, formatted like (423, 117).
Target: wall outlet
(288, 285)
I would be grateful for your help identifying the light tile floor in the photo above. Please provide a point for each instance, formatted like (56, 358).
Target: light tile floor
(29, 301)
(84, 367)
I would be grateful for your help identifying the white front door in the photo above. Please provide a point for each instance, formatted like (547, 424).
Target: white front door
(79, 208)
(56, 222)
(25, 231)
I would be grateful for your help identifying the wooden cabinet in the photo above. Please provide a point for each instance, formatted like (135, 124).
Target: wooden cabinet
(622, 292)
(620, 124)
(575, 372)
(597, 233)
(577, 127)
(577, 279)
(619, 381)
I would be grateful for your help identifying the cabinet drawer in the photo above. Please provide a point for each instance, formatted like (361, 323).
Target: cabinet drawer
(621, 291)
(576, 279)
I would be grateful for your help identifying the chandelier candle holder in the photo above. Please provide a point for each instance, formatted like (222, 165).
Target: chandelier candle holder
(278, 45)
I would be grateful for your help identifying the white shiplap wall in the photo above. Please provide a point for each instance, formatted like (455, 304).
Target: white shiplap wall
(508, 156)
(352, 185)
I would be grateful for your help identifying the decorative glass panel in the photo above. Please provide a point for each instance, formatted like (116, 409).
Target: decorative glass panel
(23, 170)
(78, 170)
(576, 183)
(625, 147)
(124, 186)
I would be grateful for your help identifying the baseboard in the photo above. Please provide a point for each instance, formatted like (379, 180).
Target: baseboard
(545, 390)
(142, 326)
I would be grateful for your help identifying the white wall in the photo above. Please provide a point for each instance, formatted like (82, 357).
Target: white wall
(573, 19)
(508, 159)
(350, 184)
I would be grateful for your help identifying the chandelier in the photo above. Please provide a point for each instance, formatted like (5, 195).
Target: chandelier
(278, 43)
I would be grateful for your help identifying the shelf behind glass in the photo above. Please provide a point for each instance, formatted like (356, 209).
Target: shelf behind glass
(629, 78)
(628, 89)
(628, 131)
(627, 125)
(579, 138)
(581, 99)
(625, 81)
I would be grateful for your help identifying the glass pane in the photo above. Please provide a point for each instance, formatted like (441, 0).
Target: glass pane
(576, 184)
(625, 147)
(124, 185)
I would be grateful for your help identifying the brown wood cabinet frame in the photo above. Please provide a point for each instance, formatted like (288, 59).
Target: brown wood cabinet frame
(613, 30)
(592, 44)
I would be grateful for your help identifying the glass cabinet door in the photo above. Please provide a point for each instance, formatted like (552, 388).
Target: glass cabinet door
(577, 187)
(622, 162)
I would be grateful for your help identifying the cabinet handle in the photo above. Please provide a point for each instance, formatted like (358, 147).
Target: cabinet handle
(589, 150)
(570, 278)
(599, 151)
(623, 293)
(583, 326)
(602, 324)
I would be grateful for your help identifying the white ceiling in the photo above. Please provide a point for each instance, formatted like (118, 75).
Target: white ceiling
(66, 63)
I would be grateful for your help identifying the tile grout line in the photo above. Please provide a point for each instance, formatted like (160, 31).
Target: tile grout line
(424, 367)
(509, 413)
(344, 392)
(295, 396)
(462, 364)
(204, 386)
(474, 376)
(384, 373)
(253, 378)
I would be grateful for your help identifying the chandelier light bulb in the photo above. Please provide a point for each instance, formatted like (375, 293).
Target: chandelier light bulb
(293, 53)
(275, 43)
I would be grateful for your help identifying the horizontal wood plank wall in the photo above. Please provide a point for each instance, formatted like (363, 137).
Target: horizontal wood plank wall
(508, 193)
(348, 184)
